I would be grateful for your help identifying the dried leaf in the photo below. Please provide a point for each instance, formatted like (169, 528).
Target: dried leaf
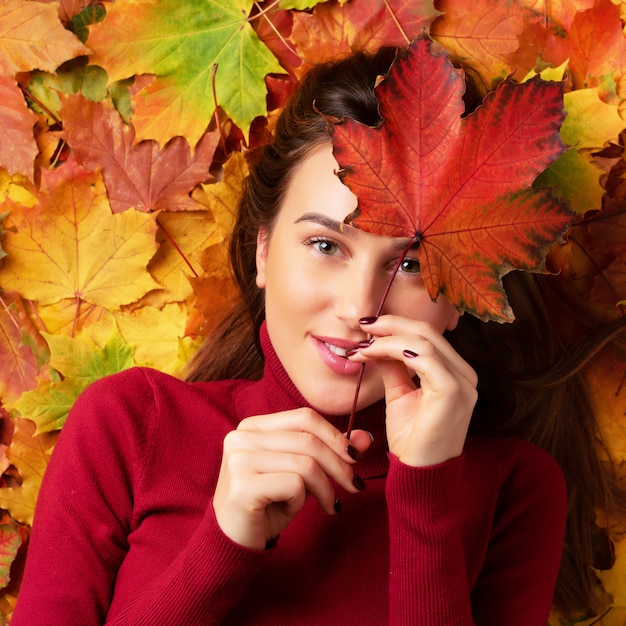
(461, 186)
(574, 173)
(482, 33)
(10, 541)
(30, 454)
(333, 31)
(71, 246)
(17, 142)
(31, 36)
(140, 176)
(81, 361)
(21, 349)
(180, 41)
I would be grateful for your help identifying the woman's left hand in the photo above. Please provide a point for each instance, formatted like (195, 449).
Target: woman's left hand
(427, 418)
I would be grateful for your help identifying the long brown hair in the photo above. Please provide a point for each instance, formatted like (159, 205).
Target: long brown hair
(530, 372)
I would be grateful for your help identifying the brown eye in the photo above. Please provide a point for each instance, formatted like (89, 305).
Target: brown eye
(326, 247)
(410, 266)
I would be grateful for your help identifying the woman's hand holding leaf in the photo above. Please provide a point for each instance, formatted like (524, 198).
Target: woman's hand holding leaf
(272, 463)
(430, 390)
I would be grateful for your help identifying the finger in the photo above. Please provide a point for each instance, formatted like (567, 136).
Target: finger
(253, 479)
(302, 420)
(361, 440)
(393, 325)
(301, 445)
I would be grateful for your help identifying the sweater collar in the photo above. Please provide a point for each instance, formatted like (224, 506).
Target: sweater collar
(276, 392)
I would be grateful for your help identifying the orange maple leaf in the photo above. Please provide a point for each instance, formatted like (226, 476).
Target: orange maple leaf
(141, 176)
(17, 142)
(31, 36)
(333, 30)
(19, 359)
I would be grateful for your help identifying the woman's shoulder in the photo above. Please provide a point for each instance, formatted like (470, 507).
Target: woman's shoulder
(141, 398)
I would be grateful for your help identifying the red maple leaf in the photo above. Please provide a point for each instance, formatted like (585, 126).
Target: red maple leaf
(462, 186)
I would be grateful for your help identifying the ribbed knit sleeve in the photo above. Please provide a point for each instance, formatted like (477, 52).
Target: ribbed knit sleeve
(427, 580)
(438, 577)
(202, 585)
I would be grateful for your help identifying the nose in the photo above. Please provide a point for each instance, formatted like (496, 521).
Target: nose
(358, 295)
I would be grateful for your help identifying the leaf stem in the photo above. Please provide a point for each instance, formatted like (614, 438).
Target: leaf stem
(177, 248)
(394, 17)
(262, 13)
(216, 114)
(379, 310)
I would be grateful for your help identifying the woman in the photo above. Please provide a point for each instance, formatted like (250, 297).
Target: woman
(241, 500)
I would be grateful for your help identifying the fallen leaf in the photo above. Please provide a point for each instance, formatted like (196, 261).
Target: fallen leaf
(10, 541)
(18, 148)
(181, 41)
(30, 454)
(482, 33)
(71, 246)
(598, 28)
(81, 361)
(155, 335)
(21, 349)
(574, 174)
(461, 186)
(31, 36)
(141, 176)
(332, 31)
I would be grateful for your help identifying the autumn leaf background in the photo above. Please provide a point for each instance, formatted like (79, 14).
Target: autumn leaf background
(126, 129)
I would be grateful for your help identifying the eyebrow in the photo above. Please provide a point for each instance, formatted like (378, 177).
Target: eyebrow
(342, 228)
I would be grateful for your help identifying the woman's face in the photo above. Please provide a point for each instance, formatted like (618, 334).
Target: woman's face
(321, 277)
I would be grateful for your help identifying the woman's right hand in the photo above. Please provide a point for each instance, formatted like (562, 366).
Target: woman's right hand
(272, 463)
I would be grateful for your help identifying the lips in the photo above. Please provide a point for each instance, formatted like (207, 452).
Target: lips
(333, 354)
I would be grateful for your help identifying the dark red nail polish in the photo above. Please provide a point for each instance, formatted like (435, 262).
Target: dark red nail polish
(270, 543)
(368, 320)
(337, 505)
(358, 482)
(352, 351)
(354, 453)
(366, 343)
(409, 354)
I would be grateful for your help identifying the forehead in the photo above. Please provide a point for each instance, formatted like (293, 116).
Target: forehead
(314, 187)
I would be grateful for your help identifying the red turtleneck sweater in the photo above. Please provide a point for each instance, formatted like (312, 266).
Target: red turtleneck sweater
(125, 533)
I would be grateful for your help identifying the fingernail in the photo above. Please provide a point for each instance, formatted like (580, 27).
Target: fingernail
(358, 482)
(368, 320)
(366, 343)
(352, 351)
(337, 506)
(270, 543)
(354, 453)
(409, 354)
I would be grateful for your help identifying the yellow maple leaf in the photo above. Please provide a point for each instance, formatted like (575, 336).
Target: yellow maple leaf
(71, 245)
(156, 335)
(30, 455)
(574, 174)
(32, 36)
(223, 197)
(182, 237)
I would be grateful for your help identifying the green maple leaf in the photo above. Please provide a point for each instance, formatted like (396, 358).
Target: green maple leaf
(180, 41)
(81, 361)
